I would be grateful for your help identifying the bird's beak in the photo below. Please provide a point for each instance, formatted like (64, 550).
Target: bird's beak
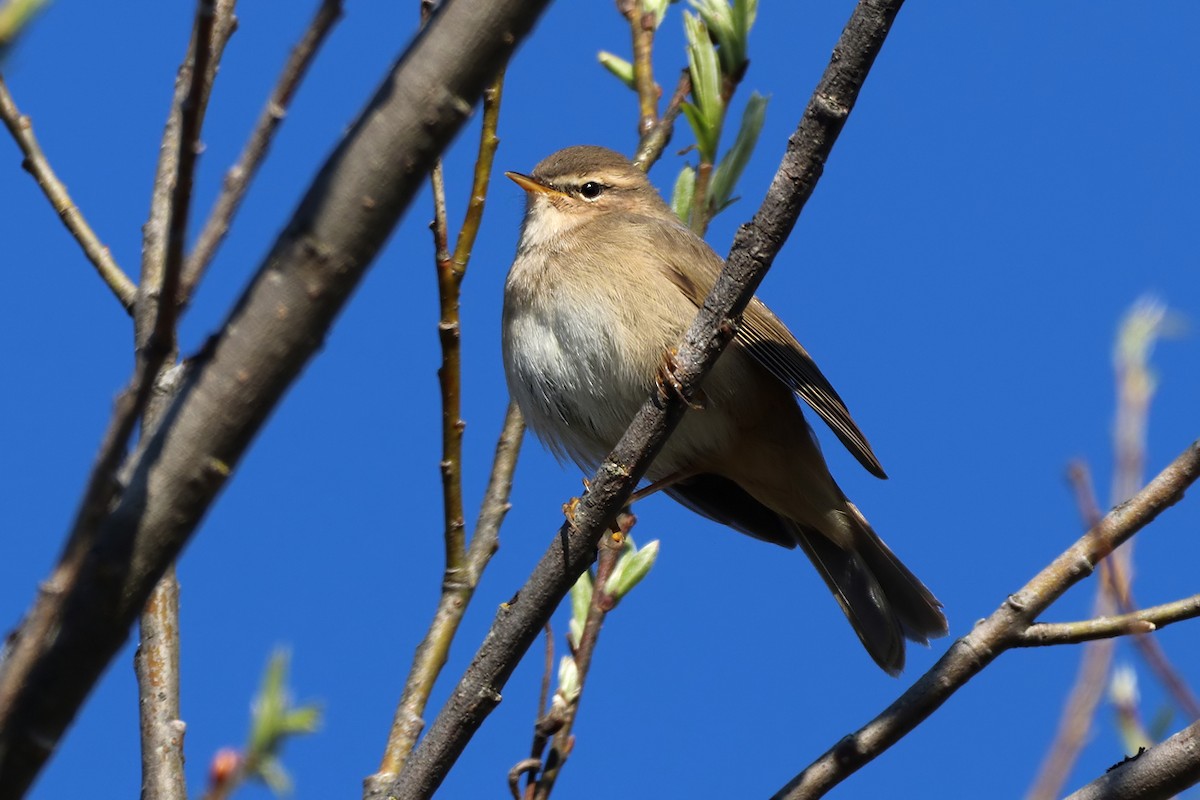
(530, 185)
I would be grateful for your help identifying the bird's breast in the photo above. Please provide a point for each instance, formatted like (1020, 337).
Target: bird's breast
(569, 369)
(584, 339)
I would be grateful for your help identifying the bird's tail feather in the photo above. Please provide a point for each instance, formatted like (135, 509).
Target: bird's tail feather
(884, 602)
(919, 612)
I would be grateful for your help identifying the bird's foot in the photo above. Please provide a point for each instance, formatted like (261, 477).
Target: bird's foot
(669, 385)
(568, 509)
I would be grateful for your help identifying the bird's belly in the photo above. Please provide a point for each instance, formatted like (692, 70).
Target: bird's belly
(567, 375)
(579, 389)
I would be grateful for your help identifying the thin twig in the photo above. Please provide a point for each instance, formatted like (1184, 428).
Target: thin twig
(701, 209)
(239, 176)
(1142, 621)
(36, 164)
(574, 547)
(655, 141)
(450, 382)
(166, 226)
(158, 657)
(22, 750)
(967, 657)
(191, 117)
(84, 611)
(157, 666)
(525, 766)
(488, 142)
(462, 569)
(541, 733)
(642, 26)
(1075, 722)
(1141, 328)
(602, 603)
(1079, 476)
(430, 656)
(1166, 672)
(1095, 661)
(547, 673)
(1134, 390)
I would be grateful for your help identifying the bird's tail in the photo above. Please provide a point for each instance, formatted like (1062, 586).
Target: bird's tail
(883, 600)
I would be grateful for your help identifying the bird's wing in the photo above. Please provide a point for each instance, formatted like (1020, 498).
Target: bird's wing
(766, 339)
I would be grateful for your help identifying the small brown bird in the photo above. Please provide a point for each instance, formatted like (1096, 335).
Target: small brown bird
(604, 284)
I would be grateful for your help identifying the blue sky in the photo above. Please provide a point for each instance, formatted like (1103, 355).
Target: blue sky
(1014, 177)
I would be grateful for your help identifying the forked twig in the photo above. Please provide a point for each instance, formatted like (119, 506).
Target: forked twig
(56, 192)
(239, 176)
(999, 632)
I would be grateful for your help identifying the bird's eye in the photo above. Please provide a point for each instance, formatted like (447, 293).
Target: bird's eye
(591, 190)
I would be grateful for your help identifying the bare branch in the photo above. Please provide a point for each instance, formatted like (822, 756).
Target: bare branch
(1166, 672)
(461, 574)
(992, 636)
(1140, 330)
(36, 164)
(228, 390)
(239, 176)
(430, 655)
(450, 384)
(1134, 389)
(157, 666)
(495, 499)
(574, 548)
(157, 662)
(1160, 772)
(654, 141)
(1146, 620)
(1095, 661)
(488, 143)
(32, 719)
(642, 26)
(198, 70)
(602, 602)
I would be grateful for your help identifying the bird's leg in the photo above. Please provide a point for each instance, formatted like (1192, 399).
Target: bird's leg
(664, 379)
(569, 507)
(658, 486)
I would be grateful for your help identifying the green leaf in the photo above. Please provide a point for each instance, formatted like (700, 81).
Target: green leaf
(705, 142)
(744, 14)
(729, 171)
(271, 772)
(273, 720)
(707, 110)
(306, 719)
(568, 680)
(622, 69)
(658, 8)
(633, 565)
(15, 17)
(628, 549)
(581, 601)
(730, 27)
(685, 189)
(270, 703)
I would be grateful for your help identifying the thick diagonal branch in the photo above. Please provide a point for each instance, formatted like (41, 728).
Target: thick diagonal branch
(230, 388)
(574, 548)
(1163, 771)
(967, 657)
